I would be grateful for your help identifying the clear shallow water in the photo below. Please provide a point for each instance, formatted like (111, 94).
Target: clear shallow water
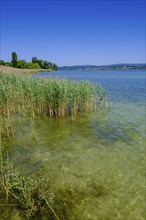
(121, 85)
(105, 149)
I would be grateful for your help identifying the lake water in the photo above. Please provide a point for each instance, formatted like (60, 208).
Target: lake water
(104, 150)
(121, 85)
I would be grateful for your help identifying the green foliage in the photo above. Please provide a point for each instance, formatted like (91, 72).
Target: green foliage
(44, 64)
(22, 64)
(54, 66)
(50, 97)
(33, 66)
(50, 65)
(34, 59)
(47, 65)
(2, 62)
(41, 63)
(8, 64)
(14, 59)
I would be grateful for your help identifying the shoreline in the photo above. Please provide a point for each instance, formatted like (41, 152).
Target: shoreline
(18, 71)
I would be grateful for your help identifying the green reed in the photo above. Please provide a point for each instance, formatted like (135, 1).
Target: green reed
(48, 96)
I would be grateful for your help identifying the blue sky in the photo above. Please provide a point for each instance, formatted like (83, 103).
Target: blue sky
(74, 32)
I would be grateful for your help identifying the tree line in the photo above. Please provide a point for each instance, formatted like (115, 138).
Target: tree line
(34, 64)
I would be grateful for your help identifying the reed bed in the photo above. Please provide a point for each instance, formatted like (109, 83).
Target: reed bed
(48, 97)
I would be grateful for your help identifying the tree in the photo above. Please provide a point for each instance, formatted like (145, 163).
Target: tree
(34, 59)
(2, 62)
(47, 65)
(22, 64)
(33, 66)
(41, 63)
(14, 59)
(50, 65)
(54, 66)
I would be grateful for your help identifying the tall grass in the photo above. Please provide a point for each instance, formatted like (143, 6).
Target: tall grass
(18, 71)
(47, 97)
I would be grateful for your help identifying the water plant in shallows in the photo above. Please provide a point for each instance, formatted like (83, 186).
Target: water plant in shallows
(37, 196)
(48, 97)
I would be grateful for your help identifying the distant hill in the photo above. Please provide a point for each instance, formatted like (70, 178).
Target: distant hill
(122, 66)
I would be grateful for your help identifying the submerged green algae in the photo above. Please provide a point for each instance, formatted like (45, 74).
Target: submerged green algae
(95, 164)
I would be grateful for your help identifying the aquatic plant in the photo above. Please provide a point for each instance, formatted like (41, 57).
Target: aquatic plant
(26, 192)
(20, 95)
(32, 195)
(48, 97)
(35, 196)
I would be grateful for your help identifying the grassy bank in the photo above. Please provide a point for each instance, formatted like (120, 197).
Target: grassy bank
(17, 71)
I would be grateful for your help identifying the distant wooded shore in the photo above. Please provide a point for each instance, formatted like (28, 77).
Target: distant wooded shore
(141, 66)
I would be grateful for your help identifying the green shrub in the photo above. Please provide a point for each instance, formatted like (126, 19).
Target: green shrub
(8, 64)
(22, 64)
(33, 66)
(2, 62)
